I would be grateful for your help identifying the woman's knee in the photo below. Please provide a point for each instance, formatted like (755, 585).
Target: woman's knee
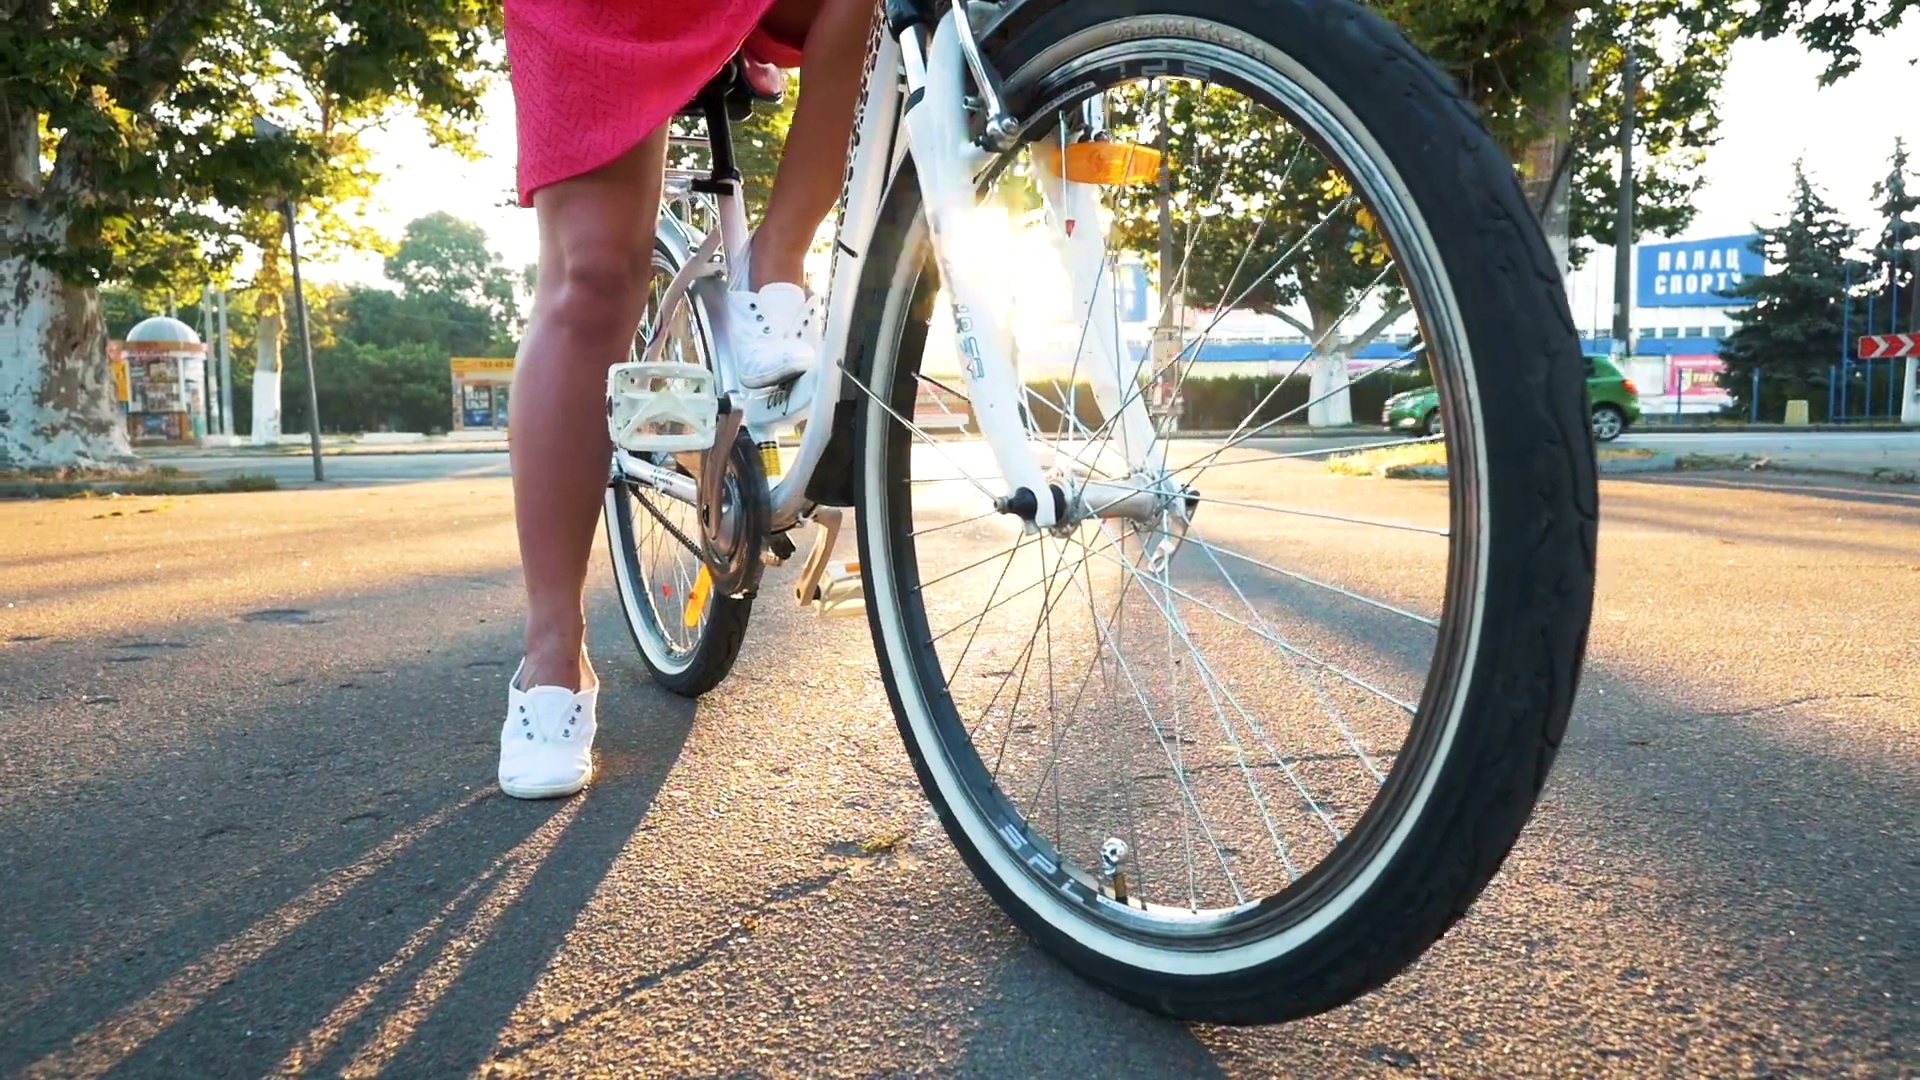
(596, 236)
(603, 274)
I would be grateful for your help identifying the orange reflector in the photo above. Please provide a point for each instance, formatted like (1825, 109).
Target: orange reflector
(697, 599)
(1630, 388)
(1112, 163)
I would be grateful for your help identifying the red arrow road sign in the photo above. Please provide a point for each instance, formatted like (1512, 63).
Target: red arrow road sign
(1886, 346)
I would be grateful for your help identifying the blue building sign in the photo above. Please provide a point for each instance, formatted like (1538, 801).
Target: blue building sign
(1696, 273)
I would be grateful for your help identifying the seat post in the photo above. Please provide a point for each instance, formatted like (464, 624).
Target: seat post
(724, 182)
(720, 141)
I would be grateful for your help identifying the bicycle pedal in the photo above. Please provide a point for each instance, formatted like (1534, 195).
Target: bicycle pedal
(657, 407)
(840, 591)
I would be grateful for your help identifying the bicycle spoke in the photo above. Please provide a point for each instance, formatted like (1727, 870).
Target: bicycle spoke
(1216, 691)
(1314, 805)
(1213, 549)
(1207, 500)
(1313, 683)
(1287, 647)
(1173, 759)
(1324, 451)
(916, 432)
(1241, 439)
(979, 620)
(954, 524)
(1223, 313)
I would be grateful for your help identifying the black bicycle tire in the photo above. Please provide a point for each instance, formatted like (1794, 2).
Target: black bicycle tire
(720, 643)
(1542, 505)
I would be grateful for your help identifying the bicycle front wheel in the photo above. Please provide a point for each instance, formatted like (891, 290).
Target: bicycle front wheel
(1244, 755)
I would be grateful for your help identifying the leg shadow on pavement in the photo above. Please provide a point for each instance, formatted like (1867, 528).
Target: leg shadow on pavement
(318, 879)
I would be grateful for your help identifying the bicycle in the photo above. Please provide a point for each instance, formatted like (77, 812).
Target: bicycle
(1132, 806)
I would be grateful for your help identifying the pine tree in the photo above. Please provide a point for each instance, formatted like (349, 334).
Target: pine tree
(1894, 270)
(1792, 333)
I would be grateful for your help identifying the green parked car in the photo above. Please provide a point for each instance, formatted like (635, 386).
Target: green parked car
(1614, 399)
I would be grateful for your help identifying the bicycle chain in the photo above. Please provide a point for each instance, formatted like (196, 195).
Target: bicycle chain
(672, 530)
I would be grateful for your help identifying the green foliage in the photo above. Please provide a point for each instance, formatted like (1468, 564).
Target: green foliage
(1894, 258)
(1509, 58)
(1682, 48)
(1833, 28)
(1248, 193)
(373, 388)
(1793, 331)
(445, 261)
(380, 355)
(758, 143)
(151, 170)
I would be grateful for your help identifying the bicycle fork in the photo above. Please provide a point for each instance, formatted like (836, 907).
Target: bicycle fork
(1058, 493)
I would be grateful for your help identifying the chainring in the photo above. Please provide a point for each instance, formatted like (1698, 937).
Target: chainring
(732, 553)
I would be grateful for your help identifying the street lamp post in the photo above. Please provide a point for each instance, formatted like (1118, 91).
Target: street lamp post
(306, 342)
(267, 129)
(1623, 240)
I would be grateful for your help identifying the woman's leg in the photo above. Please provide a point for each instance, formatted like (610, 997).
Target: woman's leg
(814, 163)
(596, 255)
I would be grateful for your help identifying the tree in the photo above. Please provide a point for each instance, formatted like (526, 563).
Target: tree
(1792, 333)
(1275, 202)
(1833, 28)
(1516, 63)
(1893, 267)
(130, 154)
(444, 260)
(454, 293)
(1682, 48)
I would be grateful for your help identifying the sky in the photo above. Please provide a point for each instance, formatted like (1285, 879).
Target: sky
(1772, 113)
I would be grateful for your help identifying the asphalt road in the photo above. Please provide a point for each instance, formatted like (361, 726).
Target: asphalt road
(248, 824)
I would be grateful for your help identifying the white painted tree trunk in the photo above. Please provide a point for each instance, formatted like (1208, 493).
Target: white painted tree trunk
(266, 381)
(57, 406)
(1332, 402)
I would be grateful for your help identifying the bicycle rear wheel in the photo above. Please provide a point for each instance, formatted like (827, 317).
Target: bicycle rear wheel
(1248, 769)
(688, 632)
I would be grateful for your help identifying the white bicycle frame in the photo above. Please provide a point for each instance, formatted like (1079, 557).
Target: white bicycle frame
(947, 162)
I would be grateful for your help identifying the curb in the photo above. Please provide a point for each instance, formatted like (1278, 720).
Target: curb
(1613, 467)
(66, 489)
(1673, 463)
(1645, 428)
(354, 450)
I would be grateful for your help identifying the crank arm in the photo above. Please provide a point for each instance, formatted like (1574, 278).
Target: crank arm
(713, 474)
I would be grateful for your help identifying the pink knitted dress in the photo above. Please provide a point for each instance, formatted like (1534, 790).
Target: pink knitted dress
(591, 78)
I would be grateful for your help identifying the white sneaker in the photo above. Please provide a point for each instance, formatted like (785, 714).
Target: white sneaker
(546, 745)
(775, 331)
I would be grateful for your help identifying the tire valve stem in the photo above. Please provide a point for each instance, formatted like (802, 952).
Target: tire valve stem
(1113, 856)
